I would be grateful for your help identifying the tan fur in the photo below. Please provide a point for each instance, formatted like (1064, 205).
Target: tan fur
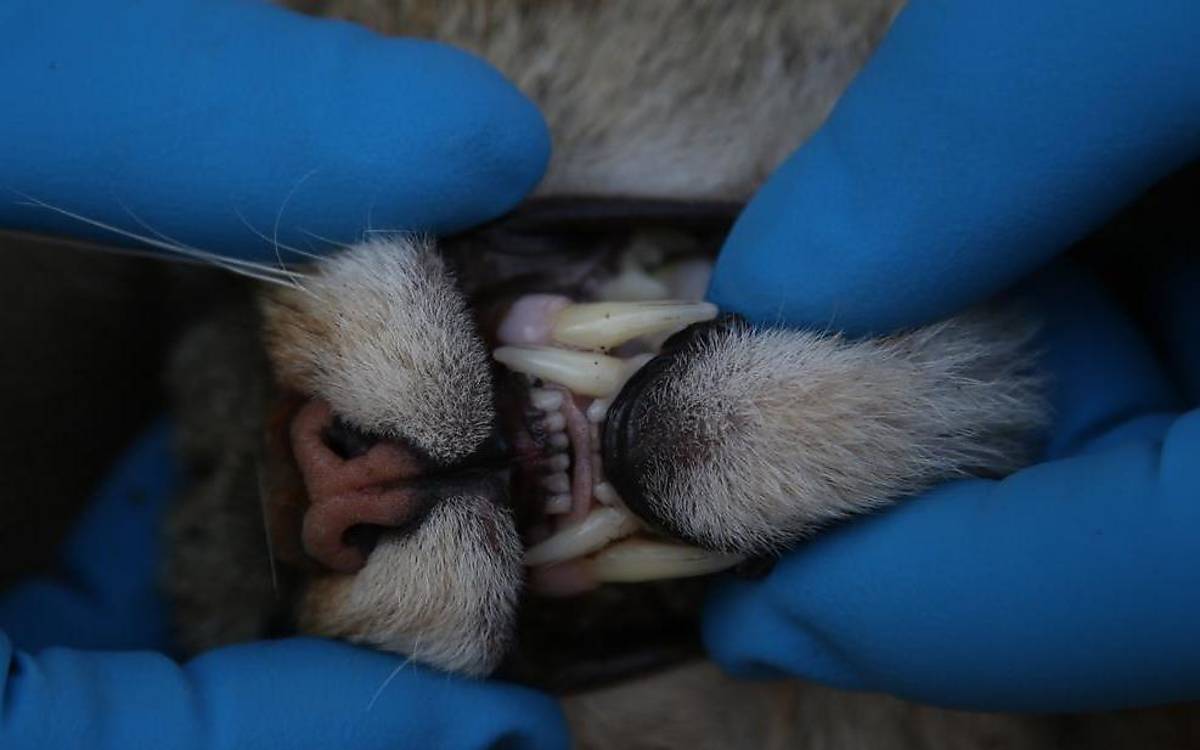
(383, 334)
(680, 98)
(759, 437)
(445, 595)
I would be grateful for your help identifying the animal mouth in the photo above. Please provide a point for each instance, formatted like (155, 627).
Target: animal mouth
(566, 361)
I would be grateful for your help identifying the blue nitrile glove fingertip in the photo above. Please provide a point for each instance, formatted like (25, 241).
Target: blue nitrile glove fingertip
(230, 126)
(741, 613)
(980, 140)
(104, 592)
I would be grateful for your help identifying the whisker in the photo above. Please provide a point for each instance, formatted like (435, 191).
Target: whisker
(262, 505)
(393, 675)
(326, 240)
(277, 244)
(176, 243)
(233, 265)
(101, 247)
(279, 214)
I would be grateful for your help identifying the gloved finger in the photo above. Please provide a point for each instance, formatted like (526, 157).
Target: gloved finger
(227, 125)
(1104, 380)
(981, 139)
(1068, 586)
(300, 693)
(104, 593)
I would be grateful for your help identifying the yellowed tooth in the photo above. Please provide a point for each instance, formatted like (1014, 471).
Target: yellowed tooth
(585, 373)
(597, 529)
(635, 560)
(603, 325)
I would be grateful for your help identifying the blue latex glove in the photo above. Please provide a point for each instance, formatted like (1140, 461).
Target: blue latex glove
(980, 141)
(210, 120)
(297, 693)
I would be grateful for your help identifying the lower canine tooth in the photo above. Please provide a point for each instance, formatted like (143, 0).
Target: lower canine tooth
(597, 529)
(636, 560)
(603, 325)
(585, 373)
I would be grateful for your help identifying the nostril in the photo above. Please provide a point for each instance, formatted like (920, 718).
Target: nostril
(363, 537)
(346, 440)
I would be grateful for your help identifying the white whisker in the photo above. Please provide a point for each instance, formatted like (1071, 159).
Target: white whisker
(326, 240)
(262, 504)
(277, 244)
(279, 215)
(390, 677)
(233, 265)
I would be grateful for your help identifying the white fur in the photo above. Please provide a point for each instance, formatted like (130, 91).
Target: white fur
(763, 436)
(671, 98)
(383, 334)
(445, 595)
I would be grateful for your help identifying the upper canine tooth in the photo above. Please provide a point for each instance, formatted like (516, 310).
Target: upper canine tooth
(635, 560)
(585, 373)
(603, 325)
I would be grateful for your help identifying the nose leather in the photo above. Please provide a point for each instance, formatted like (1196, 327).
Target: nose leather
(375, 488)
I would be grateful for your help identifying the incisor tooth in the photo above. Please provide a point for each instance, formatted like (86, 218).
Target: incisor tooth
(636, 560)
(585, 373)
(557, 505)
(603, 325)
(597, 529)
(545, 399)
(557, 483)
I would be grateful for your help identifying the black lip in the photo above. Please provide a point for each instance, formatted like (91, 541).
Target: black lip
(624, 458)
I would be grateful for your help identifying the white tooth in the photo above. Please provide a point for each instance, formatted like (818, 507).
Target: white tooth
(597, 529)
(559, 440)
(632, 284)
(545, 399)
(558, 462)
(603, 325)
(597, 411)
(555, 422)
(585, 373)
(557, 483)
(606, 494)
(557, 505)
(648, 560)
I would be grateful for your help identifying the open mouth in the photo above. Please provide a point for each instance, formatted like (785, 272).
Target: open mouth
(567, 358)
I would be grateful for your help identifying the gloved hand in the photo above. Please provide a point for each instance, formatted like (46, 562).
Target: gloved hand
(209, 121)
(297, 693)
(979, 142)
(228, 124)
